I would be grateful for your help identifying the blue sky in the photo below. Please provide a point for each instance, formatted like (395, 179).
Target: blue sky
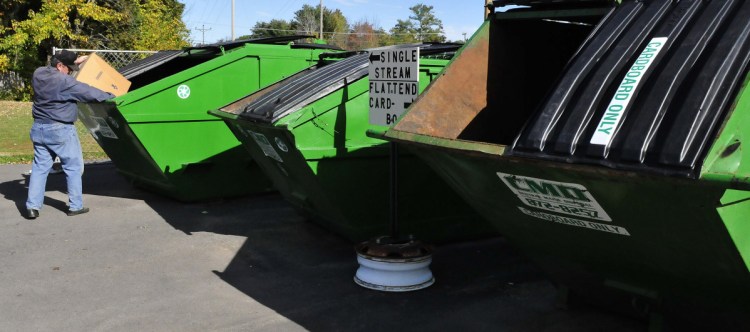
(458, 16)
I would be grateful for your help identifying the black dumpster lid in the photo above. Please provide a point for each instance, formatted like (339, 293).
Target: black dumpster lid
(228, 45)
(544, 4)
(647, 90)
(300, 90)
(148, 63)
(141, 66)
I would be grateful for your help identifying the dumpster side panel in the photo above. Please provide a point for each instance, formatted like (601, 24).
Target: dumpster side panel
(339, 176)
(352, 171)
(637, 248)
(285, 166)
(115, 137)
(734, 210)
(184, 148)
(728, 161)
(187, 96)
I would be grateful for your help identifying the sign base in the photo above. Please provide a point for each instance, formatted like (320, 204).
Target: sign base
(394, 266)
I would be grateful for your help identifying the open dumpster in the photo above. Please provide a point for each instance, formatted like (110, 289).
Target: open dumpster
(604, 138)
(308, 134)
(158, 134)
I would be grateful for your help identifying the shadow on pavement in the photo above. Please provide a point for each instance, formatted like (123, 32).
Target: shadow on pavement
(98, 179)
(305, 273)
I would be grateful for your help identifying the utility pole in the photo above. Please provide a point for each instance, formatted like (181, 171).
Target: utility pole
(464, 36)
(321, 20)
(233, 19)
(203, 31)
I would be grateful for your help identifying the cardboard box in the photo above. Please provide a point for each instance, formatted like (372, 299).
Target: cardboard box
(99, 74)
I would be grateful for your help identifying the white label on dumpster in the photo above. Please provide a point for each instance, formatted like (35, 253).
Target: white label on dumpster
(103, 128)
(575, 222)
(394, 83)
(567, 198)
(266, 146)
(629, 85)
(183, 91)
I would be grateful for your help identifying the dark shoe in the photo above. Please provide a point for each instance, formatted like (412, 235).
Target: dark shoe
(32, 213)
(77, 212)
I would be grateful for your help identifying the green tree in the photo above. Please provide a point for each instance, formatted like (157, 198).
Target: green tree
(273, 28)
(32, 28)
(428, 27)
(149, 25)
(335, 25)
(422, 26)
(403, 32)
(15, 10)
(28, 38)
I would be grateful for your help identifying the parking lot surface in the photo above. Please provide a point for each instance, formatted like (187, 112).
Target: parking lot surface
(138, 261)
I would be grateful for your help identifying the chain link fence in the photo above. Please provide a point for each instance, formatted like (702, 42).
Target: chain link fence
(115, 58)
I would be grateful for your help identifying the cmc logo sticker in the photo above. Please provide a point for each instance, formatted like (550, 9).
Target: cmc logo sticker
(566, 198)
(183, 91)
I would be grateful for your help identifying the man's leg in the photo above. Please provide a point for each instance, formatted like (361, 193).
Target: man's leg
(72, 162)
(39, 169)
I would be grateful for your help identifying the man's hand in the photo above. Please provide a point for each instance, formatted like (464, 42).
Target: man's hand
(81, 59)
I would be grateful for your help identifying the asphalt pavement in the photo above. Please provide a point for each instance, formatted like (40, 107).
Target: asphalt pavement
(139, 261)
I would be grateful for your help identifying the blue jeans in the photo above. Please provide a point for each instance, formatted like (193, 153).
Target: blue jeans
(50, 140)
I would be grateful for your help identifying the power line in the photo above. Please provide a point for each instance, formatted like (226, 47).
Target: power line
(209, 13)
(282, 8)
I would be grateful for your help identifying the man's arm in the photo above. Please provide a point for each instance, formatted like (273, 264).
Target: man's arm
(83, 92)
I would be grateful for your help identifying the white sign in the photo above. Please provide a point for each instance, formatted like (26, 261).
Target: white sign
(265, 145)
(183, 91)
(394, 83)
(575, 222)
(616, 108)
(567, 198)
(103, 128)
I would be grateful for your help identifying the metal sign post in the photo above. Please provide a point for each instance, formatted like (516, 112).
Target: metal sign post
(393, 263)
(394, 85)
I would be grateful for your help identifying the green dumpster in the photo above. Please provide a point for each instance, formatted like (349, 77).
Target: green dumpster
(605, 140)
(308, 133)
(158, 134)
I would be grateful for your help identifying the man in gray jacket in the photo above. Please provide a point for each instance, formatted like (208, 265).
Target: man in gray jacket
(53, 133)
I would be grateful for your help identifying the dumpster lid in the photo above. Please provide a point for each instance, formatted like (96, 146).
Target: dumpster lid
(300, 90)
(499, 3)
(647, 90)
(141, 66)
(551, 4)
(228, 45)
(148, 63)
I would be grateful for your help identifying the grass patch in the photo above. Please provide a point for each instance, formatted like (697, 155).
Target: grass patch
(15, 145)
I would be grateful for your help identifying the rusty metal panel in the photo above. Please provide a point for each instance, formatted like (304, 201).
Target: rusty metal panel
(468, 71)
